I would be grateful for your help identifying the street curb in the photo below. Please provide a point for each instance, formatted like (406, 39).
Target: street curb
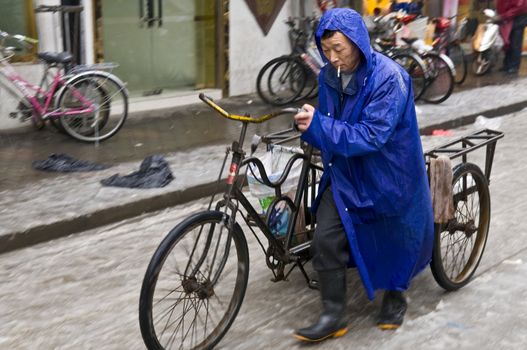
(98, 218)
(46, 232)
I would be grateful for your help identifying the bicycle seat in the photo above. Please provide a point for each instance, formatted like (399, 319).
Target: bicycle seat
(55, 57)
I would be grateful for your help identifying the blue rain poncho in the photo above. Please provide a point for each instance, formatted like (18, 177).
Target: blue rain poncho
(371, 150)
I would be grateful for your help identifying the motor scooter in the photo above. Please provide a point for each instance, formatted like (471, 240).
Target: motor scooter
(486, 43)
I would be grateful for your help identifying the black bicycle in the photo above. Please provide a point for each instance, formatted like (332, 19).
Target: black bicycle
(196, 280)
(292, 77)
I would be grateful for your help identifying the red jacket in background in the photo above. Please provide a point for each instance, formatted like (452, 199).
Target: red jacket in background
(508, 9)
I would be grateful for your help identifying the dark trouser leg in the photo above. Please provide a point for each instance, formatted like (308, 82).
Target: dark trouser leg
(513, 55)
(329, 248)
(330, 257)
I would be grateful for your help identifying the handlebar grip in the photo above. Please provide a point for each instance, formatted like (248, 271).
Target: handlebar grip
(208, 100)
(205, 98)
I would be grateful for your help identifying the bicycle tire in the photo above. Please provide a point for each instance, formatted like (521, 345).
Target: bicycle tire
(415, 67)
(194, 290)
(440, 75)
(106, 92)
(468, 180)
(311, 85)
(481, 63)
(458, 57)
(287, 88)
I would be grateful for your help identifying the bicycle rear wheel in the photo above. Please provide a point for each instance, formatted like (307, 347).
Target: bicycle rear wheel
(440, 77)
(457, 55)
(105, 94)
(459, 245)
(415, 67)
(311, 86)
(194, 285)
(281, 80)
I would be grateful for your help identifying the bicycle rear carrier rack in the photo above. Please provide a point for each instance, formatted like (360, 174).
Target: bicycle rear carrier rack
(466, 144)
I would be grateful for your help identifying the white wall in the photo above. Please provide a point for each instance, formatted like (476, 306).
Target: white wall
(249, 49)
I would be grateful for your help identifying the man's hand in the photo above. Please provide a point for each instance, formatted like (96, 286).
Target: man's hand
(303, 118)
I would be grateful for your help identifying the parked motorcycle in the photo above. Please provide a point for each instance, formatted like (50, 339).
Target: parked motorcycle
(487, 43)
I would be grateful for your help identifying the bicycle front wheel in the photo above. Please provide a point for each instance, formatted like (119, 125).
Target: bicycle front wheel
(440, 77)
(459, 245)
(195, 284)
(94, 106)
(281, 80)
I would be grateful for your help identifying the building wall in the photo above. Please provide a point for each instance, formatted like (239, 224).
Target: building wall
(249, 49)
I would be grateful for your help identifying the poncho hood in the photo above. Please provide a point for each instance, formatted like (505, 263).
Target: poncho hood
(349, 23)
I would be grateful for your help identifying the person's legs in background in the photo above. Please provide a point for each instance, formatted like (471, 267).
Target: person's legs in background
(513, 56)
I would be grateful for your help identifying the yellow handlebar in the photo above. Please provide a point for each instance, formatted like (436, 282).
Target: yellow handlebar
(245, 118)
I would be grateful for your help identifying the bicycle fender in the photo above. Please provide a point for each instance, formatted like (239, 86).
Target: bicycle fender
(74, 77)
(449, 62)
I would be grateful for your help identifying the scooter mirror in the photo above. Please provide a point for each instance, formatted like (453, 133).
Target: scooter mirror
(489, 13)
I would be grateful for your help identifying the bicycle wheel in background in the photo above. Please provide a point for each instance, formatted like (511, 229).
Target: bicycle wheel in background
(459, 245)
(281, 80)
(194, 285)
(457, 55)
(440, 74)
(416, 69)
(311, 86)
(108, 97)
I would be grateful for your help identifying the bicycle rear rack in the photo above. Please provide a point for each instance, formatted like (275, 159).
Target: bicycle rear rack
(466, 144)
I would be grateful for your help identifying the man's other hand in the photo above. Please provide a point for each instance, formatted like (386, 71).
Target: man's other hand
(304, 117)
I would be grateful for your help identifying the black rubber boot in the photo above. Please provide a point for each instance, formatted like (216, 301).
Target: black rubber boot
(331, 323)
(392, 310)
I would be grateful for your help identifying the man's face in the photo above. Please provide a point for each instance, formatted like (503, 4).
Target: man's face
(341, 52)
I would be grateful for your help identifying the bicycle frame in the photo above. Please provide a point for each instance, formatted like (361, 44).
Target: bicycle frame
(23, 89)
(233, 194)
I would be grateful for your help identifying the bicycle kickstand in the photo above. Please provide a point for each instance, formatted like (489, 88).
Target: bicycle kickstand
(311, 283)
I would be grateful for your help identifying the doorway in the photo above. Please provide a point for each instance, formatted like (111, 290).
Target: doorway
(159, 45)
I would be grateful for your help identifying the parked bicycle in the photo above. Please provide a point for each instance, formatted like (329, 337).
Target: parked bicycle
(432, 73)
(88, 104)
(292, 77)
(448, 41)
(196, 280)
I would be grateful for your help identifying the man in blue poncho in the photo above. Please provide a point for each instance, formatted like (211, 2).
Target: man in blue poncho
(373, 208)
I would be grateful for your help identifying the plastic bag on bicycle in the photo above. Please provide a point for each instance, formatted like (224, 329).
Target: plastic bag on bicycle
(274, 162)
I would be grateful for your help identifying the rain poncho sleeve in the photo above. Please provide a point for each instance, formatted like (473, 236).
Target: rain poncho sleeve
(379, 119)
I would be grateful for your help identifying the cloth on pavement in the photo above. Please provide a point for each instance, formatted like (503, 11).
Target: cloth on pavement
(65, 163)
(441, 188)
(154, 172)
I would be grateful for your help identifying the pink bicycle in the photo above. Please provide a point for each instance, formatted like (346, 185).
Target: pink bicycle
(87, 103)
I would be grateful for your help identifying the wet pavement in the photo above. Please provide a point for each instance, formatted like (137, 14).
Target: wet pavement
(82, 291)
(36, 206)
(163, 131)
(178, 129)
